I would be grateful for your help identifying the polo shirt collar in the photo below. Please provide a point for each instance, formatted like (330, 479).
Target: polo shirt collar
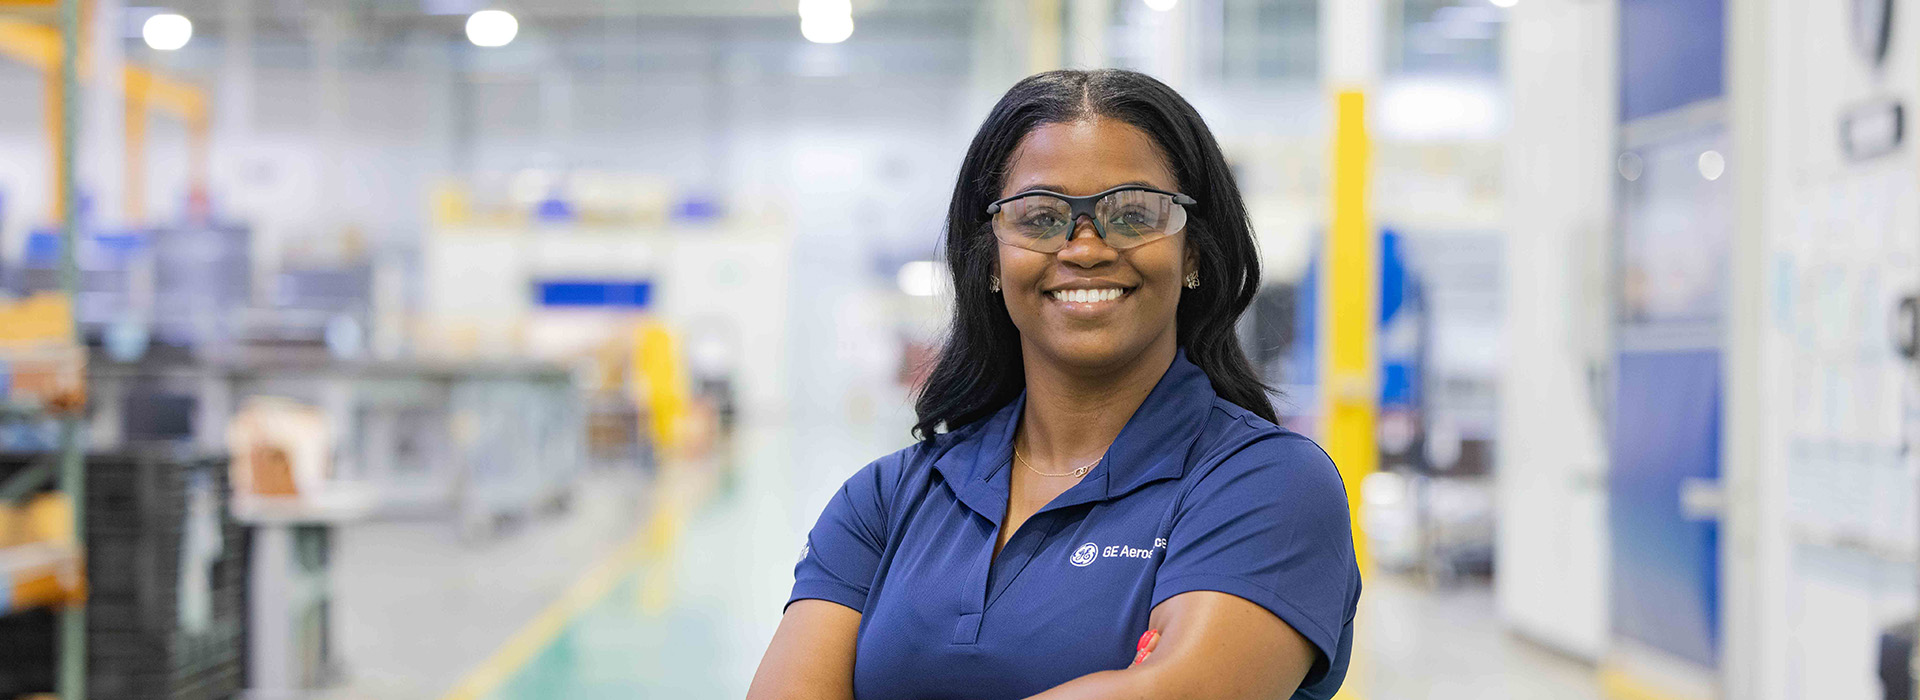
(1153, 445)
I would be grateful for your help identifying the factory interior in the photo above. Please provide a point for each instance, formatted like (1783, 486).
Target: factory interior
(507, 349)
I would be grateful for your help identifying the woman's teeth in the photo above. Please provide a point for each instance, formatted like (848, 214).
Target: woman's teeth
(1085, 296)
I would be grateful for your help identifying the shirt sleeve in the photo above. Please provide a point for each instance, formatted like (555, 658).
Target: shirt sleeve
(1269, 524)
(842, 552)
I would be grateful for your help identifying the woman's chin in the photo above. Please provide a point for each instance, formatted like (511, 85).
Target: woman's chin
(1093, 351)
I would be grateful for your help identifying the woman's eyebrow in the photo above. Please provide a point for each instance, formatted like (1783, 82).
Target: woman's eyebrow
(1061, 190)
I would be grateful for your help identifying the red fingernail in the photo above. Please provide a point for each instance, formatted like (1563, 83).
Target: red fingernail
(1145, 638)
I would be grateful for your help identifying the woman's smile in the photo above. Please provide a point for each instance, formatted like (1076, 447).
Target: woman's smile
(1087, 302)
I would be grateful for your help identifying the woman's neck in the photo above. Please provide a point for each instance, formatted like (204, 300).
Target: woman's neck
(1072, 417)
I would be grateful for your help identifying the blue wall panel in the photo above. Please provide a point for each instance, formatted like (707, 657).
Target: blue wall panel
(1666, 429)
(1672, 53)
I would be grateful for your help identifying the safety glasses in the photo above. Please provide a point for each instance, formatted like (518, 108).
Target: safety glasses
(1124, 217)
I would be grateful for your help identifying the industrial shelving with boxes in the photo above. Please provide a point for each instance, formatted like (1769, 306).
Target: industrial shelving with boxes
(53, 638)
(41, 375)
(146, 543)
(41, 358)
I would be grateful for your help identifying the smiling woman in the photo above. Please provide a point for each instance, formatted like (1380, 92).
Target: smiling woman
(1096, 458)
(1158, 141)
(1116, 303)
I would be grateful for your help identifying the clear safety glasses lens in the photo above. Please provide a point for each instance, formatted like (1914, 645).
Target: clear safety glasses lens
(1128, 218)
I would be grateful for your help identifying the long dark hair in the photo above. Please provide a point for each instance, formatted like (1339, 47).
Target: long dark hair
(979, 369)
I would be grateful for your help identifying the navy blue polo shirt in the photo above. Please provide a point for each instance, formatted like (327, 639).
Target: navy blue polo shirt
(1196, 494)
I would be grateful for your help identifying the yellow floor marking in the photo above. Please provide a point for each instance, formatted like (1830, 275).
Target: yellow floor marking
(655, 591)
(1619, 685)
(678, 491)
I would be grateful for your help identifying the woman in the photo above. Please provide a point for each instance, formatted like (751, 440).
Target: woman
(1096, 458)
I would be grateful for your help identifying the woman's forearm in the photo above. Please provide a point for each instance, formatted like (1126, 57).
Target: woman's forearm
(1131, 684)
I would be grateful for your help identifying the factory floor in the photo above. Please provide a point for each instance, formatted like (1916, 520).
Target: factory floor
(668, 586)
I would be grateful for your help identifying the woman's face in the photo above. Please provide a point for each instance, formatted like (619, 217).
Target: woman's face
(1081, 158)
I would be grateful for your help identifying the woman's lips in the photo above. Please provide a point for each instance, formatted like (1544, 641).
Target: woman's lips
(1088, 302)
(1088, 296)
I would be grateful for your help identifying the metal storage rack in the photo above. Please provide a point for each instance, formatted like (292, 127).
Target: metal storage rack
(71, 676)
(167, 590)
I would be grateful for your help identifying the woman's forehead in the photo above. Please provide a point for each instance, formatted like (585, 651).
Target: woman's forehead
(1085, 157)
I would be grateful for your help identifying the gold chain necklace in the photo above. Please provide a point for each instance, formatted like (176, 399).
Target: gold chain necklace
(1076, 473)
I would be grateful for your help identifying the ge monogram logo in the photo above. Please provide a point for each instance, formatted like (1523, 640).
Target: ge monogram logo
(1085, 554)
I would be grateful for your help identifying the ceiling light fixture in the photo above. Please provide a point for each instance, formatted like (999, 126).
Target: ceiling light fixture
(492, 28)
(167, 31)
(826, 21)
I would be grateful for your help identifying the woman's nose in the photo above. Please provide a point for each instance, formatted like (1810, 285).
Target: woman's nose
(1085, 247)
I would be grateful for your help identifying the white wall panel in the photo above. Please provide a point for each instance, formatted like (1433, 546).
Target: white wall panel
(1551, 540)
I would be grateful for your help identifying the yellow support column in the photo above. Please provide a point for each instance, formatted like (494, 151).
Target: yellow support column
(135, 143)
(1349, 312)
(42, 47)
(1352, 47)
(1043, 35)
(56, 99)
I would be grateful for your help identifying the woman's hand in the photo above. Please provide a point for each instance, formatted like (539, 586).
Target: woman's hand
(811, 655)
(1210, 645)
(1148, 641)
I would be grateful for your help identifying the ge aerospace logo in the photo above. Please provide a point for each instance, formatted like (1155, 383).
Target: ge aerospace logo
(1085, 554)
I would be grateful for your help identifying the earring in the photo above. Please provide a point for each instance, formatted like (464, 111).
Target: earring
(1193, 280)
(993, 283)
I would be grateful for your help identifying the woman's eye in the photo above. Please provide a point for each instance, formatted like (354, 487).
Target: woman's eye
(1043, 221)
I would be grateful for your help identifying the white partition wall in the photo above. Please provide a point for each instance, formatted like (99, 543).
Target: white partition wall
(1551, 568)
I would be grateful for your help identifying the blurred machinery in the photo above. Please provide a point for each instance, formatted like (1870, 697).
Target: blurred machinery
(483, 442)
(190, 290)
(1429, 508)
(653, 293)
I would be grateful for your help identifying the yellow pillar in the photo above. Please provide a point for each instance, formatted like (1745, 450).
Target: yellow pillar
(1043, 35)
(135, 171)
(56, 136)
(1349, 311)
